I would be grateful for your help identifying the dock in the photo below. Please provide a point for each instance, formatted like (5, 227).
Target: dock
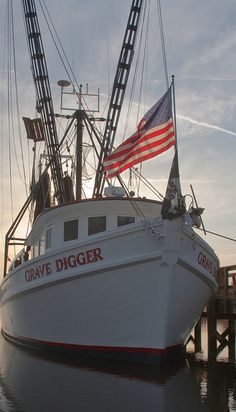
(220, 307)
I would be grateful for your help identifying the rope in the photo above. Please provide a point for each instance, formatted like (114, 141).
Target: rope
(144, 69)
(55, 36)
(9, 108)
(2, 127)
(136, 67)
(9, 66)
(147, 183)
(163, 42)
(144, 59)
(149, 227)
(217, 234)
(17, 103)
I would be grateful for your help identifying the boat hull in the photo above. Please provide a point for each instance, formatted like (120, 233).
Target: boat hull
(141, 307)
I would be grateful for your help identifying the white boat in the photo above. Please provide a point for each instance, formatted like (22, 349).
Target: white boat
(114, 275)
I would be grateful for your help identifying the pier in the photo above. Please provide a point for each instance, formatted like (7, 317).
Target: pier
(220, 307)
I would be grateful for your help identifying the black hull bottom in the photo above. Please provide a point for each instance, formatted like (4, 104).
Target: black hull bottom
(159, 358)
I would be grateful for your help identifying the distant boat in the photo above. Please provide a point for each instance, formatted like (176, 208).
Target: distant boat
(114, 275)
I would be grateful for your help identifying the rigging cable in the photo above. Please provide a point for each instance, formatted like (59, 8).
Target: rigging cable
(109, 88)
(144, 61)
(163, 42)
(12, 104)
(2, 129)
(134, 82)
(9, 108)
(17, 101)
(66, 64)
(61, 53)
(217, 234)
(135, 170)
(57, 37)
(144, 66)
(147, 183)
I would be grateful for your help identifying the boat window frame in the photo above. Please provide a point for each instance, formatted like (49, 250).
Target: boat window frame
(127, 217)
(42, 244)
(67, 221)
(99, 231)
(49, 228)
(36, 250)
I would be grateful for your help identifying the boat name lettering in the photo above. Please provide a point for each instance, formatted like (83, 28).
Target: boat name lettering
(82, 258)
(38, 272)
(206, 263)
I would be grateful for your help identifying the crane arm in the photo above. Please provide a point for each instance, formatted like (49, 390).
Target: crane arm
(118, 91)
(43, 92)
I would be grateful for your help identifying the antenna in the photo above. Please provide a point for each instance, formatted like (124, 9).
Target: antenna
(72, 100)
(62, 84)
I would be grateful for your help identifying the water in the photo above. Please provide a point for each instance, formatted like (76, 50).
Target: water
(31, 382)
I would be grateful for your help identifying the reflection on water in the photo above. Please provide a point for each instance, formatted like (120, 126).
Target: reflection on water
(32, 382)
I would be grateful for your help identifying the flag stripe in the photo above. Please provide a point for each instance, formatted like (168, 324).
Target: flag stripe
(135, 138)
(162, 143)
(154, 135)
(148, 154)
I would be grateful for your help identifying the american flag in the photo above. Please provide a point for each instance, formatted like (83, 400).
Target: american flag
(154, 135)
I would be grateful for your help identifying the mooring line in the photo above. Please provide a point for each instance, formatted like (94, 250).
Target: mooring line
(217, 234)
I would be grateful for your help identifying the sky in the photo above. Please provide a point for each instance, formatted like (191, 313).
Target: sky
(200, 45)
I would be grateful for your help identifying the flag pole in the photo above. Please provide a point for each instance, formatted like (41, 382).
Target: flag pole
(173, 204)
(175, 123)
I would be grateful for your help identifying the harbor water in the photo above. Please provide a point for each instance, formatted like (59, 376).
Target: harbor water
(35, 382)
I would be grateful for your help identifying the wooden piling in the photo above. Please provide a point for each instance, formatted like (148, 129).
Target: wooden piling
(232, 342)
(221, 306)
(198, 336)
(212, 329)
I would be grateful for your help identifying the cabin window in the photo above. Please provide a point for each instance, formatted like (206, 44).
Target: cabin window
(48, 243)
(71, 230)
(35, 251)
(125, 220)
(42, 245)
(96, 224)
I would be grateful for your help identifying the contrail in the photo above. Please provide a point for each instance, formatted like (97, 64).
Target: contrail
(210, 126)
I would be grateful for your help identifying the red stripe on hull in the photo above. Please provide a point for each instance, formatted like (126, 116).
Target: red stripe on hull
(136, 354)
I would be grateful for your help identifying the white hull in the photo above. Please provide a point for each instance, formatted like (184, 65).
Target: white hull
(139, 298)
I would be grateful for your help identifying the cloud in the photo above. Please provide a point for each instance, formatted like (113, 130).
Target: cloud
(204, 124)
(224, 43)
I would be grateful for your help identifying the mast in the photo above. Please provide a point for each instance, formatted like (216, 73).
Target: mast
(79, 151)
(81, 119)
(43, 93)
(118, 91)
